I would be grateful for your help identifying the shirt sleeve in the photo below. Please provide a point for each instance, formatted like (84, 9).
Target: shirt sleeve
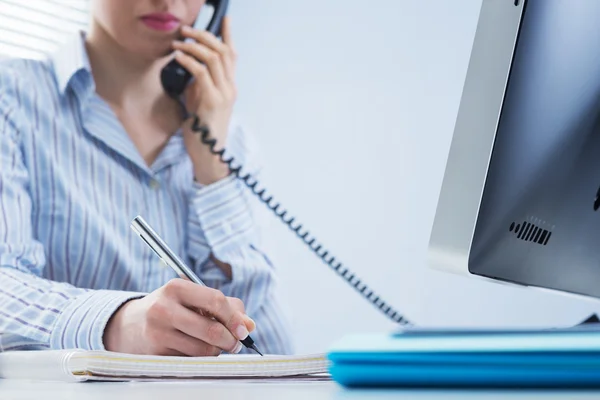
(223, 222)
(37, 313)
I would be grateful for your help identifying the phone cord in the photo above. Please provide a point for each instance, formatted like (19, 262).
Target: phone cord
(305, 236)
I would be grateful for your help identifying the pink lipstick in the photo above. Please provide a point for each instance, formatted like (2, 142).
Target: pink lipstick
(163, 22)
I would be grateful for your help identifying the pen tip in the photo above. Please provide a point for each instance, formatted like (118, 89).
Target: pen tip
(256, 350)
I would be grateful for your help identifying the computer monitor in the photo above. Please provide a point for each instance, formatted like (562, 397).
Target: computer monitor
(520, 198)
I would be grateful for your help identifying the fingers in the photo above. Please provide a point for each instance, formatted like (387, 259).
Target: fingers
(207, 56)
(181, 344)
(199, 71)
(206, 38)
(250, 324)
(237, 304)
(229, 62)
(212, 301)
(165, 351)
(164, 340)
(226, 33)
(206, 330)
(224, 49)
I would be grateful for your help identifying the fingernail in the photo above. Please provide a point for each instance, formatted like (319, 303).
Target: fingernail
(178, 53)
(238, 348)
(241, 332)
(186, 28)
(251, 321)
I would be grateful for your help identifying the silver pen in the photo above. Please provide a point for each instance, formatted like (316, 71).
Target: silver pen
(155, 242)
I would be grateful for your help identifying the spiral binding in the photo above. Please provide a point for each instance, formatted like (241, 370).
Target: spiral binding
(305, 236)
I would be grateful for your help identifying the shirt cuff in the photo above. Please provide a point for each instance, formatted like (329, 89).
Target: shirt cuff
(81, 324)
(224, 215)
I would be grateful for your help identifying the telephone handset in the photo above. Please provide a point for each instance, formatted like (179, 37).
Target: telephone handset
(174, 77)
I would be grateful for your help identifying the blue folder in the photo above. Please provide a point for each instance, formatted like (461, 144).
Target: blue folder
(559, 358)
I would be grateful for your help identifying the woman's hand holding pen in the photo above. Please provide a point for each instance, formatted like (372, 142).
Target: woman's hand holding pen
(211, 96)
(182, 319)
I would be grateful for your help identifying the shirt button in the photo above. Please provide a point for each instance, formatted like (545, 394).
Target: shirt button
(154, 184)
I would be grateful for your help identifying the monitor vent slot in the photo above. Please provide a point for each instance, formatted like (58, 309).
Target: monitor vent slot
(530, 232)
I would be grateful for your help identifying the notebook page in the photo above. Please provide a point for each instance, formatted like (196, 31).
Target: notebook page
(109, 364)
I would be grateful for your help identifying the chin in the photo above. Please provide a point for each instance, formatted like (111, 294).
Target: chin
(165, 52)
(152, 52)
(160, 54)
(148, 47)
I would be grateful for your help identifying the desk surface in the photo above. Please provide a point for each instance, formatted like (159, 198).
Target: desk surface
(234, 390)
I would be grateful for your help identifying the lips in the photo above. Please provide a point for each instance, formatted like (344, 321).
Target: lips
(163, 22)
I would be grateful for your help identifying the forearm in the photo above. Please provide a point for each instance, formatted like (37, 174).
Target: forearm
(220, 223)
(38, 313)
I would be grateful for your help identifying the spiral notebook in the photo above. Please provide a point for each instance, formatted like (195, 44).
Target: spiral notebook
(82, 365)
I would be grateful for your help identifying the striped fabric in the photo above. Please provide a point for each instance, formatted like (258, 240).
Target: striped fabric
(71, 181)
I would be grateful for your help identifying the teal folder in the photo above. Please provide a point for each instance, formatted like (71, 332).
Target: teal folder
(559, 358)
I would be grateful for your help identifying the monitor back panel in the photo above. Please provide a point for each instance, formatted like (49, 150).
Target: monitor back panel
(537, 223)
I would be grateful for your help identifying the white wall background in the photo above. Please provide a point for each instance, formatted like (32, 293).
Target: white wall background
(354, 105)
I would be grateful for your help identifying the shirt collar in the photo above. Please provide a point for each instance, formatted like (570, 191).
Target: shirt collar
(72, 69)
(72, 65)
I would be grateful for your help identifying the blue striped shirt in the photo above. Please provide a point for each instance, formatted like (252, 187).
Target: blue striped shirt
(71, 180)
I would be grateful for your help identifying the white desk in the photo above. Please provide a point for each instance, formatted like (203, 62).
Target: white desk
(234, 390)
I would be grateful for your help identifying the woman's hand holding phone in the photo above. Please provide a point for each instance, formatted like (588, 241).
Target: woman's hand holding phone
(210, 96)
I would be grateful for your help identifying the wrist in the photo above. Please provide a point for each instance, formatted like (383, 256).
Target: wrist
(207, 166)
(114, 329)
(211, 173)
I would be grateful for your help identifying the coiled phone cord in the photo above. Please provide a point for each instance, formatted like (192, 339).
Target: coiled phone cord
(304, 235)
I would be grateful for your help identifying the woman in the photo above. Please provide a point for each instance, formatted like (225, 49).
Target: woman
(88, 140)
